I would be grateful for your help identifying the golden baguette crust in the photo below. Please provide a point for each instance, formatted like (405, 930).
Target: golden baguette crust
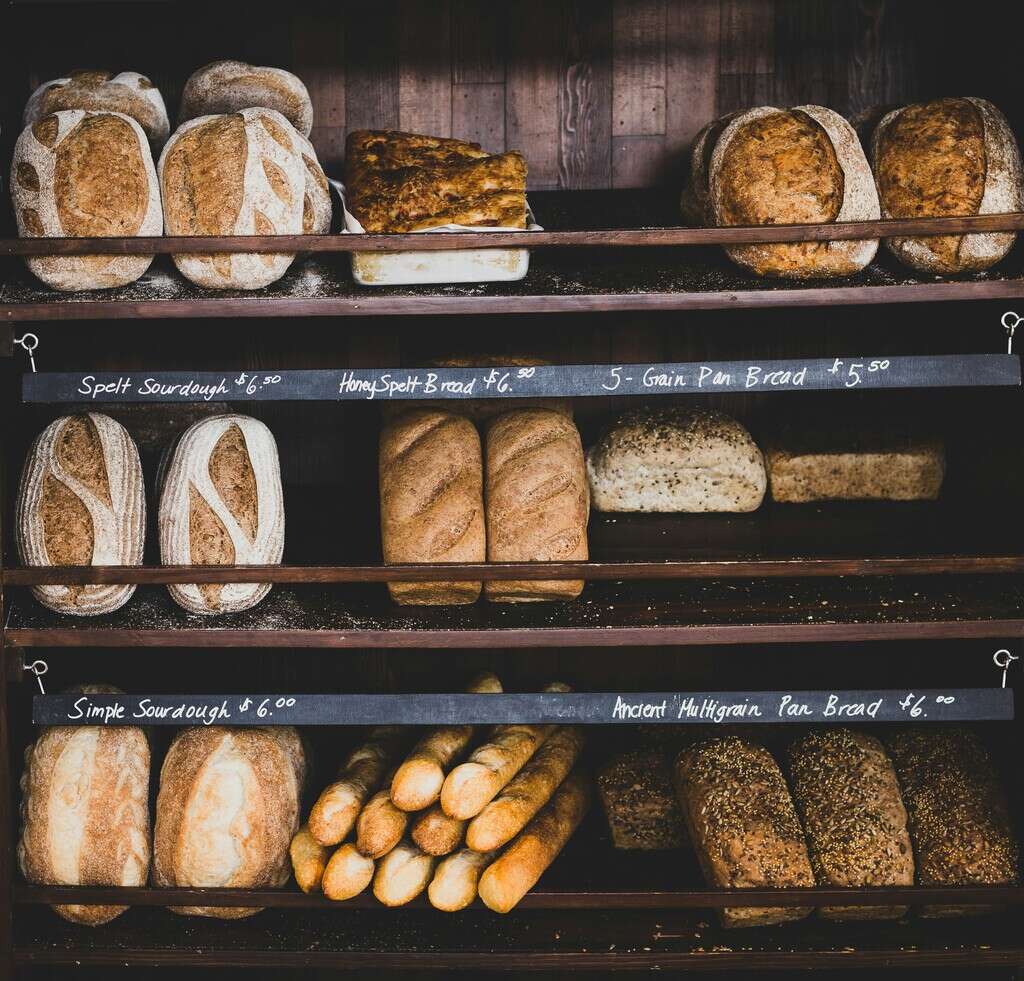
(348, 873)
(309, 859)
(435, 832)
(455, 879)
(402, 875)
(380, 824)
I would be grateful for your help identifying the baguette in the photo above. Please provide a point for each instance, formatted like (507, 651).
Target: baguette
(455, 881)
(417, 783)
(470, 787)
(347, 874)
(337, 808)
(505, 882)
(501, 820)
(436, 833)
(380, 824)
(309, 859)
(402, 875)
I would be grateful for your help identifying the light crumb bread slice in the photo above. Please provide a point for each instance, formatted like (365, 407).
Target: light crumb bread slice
(948, 157)
(676, 460)
(847, 795)
(743, 825)
(793, 166)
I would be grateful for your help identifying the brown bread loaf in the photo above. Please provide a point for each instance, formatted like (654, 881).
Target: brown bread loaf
(538, 501)
(348, 873)
(639, 801)
(431, 501)
(455, 879)
(435, 833)
(380, 824)
(309, 860)
(402, 875)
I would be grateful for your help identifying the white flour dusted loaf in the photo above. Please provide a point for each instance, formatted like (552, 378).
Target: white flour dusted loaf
(316, 202)
(239, 174)
(85, 811)
(85, 174)
(227, 810)
(221, 503)
(81, 502)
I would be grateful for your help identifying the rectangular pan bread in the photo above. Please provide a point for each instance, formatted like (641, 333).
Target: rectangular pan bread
(743, 825)
(959, 817)
(639, 801)
(846, 792)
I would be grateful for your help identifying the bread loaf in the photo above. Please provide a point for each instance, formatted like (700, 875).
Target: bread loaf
(221, 504)
(435, 832)
(81, 502)
(85, 174)
(676, 460)
(229, 86)
(846, 792)
(742, 823)
(100, 91)
(227, 810)
(695, 201)
(958, 814)
(85, 811)
(402, 875)
(309, 860)
(639, 802)
(431, 501)
(948, 157)
(317, 208)
(239, 174)
(380, 824)
(455, 879)
(348, 873)
(793, 166)
(538, 504)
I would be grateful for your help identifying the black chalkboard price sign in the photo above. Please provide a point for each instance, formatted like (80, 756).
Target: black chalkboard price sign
(846, 373)
(588, 708)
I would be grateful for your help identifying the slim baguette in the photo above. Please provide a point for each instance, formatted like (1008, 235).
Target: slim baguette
(501, 820)
(402, 875)
(337, 808)
(309, 859)
(514, 874)
(436, 833)
(455, 881)
(417, 784)
(380, 824)
(348, 873)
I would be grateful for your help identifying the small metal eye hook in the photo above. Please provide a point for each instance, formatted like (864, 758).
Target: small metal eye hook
(1010, 321)
(38, 668)
(29, 343)
(1003, 659)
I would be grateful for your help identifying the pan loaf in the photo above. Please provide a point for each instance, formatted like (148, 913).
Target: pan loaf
(639, 801)
(81, 502)
(538, 503)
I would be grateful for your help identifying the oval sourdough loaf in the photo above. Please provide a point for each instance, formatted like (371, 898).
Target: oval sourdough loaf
(226, 812)
(227, 86)
(127, 92)
(85, 175)
(676, 459)
(221, 503)
(793, 166)
(85, 811)
(81, 502)
(948, 157)
(238, 174)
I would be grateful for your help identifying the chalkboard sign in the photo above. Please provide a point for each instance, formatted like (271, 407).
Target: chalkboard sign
(395, 384)
(591, 708)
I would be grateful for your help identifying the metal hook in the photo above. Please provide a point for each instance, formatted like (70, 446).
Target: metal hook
(29, 342)
(38, 668)
(1010, 321)
(1003, 659)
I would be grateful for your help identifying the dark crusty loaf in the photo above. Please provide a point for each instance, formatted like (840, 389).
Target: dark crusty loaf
(846, 792)
(743, 825)
(695, 201)
(639, 802)
(958, 813)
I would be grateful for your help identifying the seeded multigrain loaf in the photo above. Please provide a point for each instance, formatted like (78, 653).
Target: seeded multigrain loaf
(743, 825)
(786, 166)
(958, 814)
(85, 174)
(667, 460)
(639, 802)
(949, 157)
(846, 793)
(82, 502)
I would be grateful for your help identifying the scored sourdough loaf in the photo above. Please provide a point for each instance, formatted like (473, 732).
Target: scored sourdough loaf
(221, 503)
(431, 501)
(958, 813)
(226, 811)
(126, 92)
(847, 794)
(228, 86)
(538, 502)
(743, 825)
(85, 811)
(81, 502)
(666, 460)
(793, 166)
(84, 174)
(948, 157)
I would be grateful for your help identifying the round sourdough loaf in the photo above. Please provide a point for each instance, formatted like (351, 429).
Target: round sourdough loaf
(127, 92)
(85, 174)
(238, 174)
(82, 502)
(793, 166)
(227, 86)
(85, 811)
(316, 203)
(943, 158)
(695, 201)
(221, 503)
(226, 811)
